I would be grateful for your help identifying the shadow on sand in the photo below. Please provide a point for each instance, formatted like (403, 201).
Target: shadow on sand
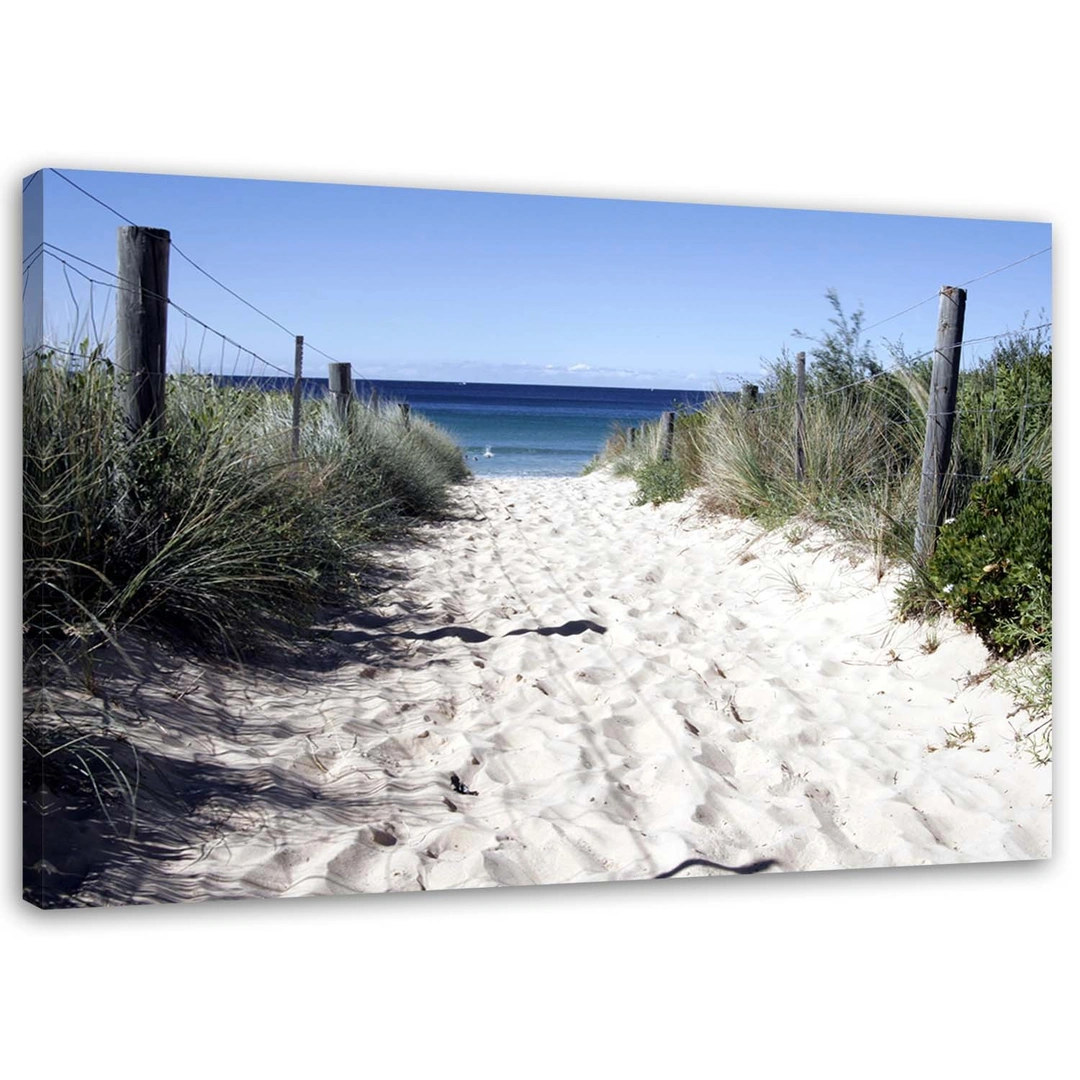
(112, 805)
(467, 633)
(125, 784)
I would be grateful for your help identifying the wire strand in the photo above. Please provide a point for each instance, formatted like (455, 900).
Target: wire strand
(986, 476)
(172, 303)
(111, 209)
(231, 292)
(173, 246)
(79, 258)
(895, 369)
(889, 318)
(202, 270)
(312, 348)
(29, 266)
(1007, 266)
(963, 284)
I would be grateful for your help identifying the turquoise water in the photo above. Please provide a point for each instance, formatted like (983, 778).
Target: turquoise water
(533, 430)
(519, 430)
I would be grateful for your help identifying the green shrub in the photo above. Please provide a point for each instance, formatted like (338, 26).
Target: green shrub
(659, 482)
(992, 564)
(1005, 412)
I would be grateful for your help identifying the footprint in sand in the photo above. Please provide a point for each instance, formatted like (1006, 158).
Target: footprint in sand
(640, 736)
(823, 804)
(595, 675)
(712, 757)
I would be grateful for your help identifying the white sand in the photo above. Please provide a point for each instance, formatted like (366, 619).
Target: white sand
(680, 688)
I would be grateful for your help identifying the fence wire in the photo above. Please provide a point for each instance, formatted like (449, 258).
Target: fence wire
(119, 284)
(197, 266)
(900, 369)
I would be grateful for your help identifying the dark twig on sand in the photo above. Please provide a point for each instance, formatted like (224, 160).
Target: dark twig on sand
(749, 868)
(459, 787)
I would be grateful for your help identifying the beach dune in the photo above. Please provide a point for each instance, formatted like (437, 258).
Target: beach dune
(558, 686)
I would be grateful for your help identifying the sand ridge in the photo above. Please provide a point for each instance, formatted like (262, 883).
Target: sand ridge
(623, 688)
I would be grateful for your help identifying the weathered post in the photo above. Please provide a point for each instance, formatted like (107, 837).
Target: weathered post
(633, 436)
(341, 390)
(800, 416)
(405, 414)
(667, 435)
(748, 397)
(940, 414)
(297, 389)
(142, 303)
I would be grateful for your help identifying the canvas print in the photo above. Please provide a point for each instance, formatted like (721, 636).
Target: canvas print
(385, 539)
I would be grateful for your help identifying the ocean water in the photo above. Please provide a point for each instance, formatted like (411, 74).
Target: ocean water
(533, 430)
(520, 430)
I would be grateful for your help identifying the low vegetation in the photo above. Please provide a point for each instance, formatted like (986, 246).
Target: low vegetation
(991, 567)
(210, 530)
(210, 535)
(864, 429)
(660, 481)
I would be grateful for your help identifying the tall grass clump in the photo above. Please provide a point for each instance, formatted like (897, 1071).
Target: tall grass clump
(208, 533)
(863, 439)
(859, 453)
(208, 530)
(863, 435)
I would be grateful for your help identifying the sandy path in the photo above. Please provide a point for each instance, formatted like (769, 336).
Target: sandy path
(623, 688)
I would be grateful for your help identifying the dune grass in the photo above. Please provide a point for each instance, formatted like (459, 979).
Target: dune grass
(864, 432)
(209, 535)
(210, 531)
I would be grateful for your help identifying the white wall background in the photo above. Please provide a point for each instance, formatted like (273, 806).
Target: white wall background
(924, 108)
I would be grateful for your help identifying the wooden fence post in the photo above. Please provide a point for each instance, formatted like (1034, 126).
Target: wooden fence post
(667, 435)
(142, 303)
(297, 389)
(800, 416)
(748, 397)
(405, 414)
(341, 390)
(633, 436)
(940, 414)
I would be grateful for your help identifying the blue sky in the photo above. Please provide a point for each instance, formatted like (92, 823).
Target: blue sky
(443, 285)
